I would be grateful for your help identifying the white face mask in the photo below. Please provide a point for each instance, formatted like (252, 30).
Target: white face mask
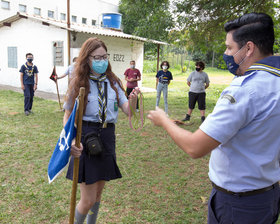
(132, 66)
(164, 67)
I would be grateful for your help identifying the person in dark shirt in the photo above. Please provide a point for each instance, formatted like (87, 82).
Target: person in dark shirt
(163, 79)
(29, 81)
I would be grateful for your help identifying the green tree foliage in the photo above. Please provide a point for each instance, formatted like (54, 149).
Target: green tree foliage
(204, 20)
(149, 19)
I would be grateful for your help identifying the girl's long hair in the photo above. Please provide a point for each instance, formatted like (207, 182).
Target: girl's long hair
(82, 72)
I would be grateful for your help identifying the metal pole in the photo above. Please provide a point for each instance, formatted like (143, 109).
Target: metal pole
(77, 160)
(68, 31)
(158, 46)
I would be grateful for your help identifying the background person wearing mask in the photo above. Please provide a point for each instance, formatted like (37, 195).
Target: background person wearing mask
(242, 131)
(198, 81)
(132, 76)
(163, 79)
(28, 72)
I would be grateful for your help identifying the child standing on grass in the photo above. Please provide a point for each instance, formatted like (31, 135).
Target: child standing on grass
(163, 79)
(198, 81)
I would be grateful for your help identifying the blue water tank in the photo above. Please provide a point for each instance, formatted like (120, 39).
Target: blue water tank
(112, 20)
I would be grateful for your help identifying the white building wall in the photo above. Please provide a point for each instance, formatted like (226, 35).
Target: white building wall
(31, 36)
(121, 51)
(90, 9)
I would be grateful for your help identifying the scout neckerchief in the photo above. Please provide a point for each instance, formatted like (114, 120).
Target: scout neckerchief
(101, 96)
(30, 72)
(267, 64)
(133, 117)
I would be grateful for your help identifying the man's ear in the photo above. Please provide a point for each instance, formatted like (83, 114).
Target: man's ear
(251, 48)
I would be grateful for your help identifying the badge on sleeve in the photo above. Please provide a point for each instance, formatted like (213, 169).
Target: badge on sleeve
(230, 98)
(115, 106)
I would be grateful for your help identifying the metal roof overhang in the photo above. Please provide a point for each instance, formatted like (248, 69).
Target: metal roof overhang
(78, 28)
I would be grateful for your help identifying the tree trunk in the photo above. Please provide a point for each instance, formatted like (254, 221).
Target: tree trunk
(213, 59)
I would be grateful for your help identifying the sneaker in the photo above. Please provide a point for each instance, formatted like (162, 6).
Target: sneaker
(30, 111)
(202, 119)
(187, 118)
(137, 110)
(26, 112)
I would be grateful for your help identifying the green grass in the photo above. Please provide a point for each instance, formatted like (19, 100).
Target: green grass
(160, 184)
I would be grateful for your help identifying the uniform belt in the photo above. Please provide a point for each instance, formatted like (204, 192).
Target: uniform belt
(246, 193)
(163, 82)
(97, 124)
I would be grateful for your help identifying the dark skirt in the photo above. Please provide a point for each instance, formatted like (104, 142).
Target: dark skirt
(101, 167)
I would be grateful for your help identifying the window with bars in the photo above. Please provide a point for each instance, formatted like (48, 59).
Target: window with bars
(12, 57)
(93, 22)
(58, 50)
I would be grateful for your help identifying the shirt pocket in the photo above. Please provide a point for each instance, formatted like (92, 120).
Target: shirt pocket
(112, 104)
(92, 108)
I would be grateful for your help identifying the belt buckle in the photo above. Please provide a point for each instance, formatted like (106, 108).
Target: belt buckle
(104, 125)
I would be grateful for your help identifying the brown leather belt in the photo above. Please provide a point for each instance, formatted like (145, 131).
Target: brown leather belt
(246, 193)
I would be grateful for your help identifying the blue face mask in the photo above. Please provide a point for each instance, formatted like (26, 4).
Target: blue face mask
(99, 66)
(231, 65)
(29, 60)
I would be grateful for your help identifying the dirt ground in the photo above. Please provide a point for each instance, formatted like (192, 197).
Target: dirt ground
(226, 80)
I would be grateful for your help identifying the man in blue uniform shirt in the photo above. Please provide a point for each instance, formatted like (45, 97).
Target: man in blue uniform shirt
(28, 72)
(242, 131)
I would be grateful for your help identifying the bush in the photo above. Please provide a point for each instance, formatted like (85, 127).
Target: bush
(149, 66)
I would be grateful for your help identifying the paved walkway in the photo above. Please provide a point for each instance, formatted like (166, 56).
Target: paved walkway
(38, 93)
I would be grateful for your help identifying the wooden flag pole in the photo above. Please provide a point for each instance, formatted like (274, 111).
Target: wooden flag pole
(77, 160)
(58, 95)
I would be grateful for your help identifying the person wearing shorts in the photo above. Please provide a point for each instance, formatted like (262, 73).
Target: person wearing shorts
(198, 81)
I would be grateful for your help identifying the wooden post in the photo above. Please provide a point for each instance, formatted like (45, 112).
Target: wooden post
(58, 95)
(158, 46)
(77, 160)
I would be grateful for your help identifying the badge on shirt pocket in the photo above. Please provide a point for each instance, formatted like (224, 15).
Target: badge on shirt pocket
(116, 106)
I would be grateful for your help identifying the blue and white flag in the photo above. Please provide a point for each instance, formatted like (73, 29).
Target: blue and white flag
(61, 153)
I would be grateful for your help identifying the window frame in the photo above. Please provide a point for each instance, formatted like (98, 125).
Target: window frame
(37, 9)
(50, 12)
(22, 6)
(12, 57)
(5, 2)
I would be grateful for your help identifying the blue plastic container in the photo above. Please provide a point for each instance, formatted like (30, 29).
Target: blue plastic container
(112, 20)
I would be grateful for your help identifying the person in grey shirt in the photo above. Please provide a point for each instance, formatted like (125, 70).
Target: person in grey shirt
(198, 81)
(69, 71)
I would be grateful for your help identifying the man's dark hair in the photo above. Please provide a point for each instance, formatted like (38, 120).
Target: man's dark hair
(75, 59)
(200, 64)
(132, 61)
(28, 54)
(166, 62)
(255, 27)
